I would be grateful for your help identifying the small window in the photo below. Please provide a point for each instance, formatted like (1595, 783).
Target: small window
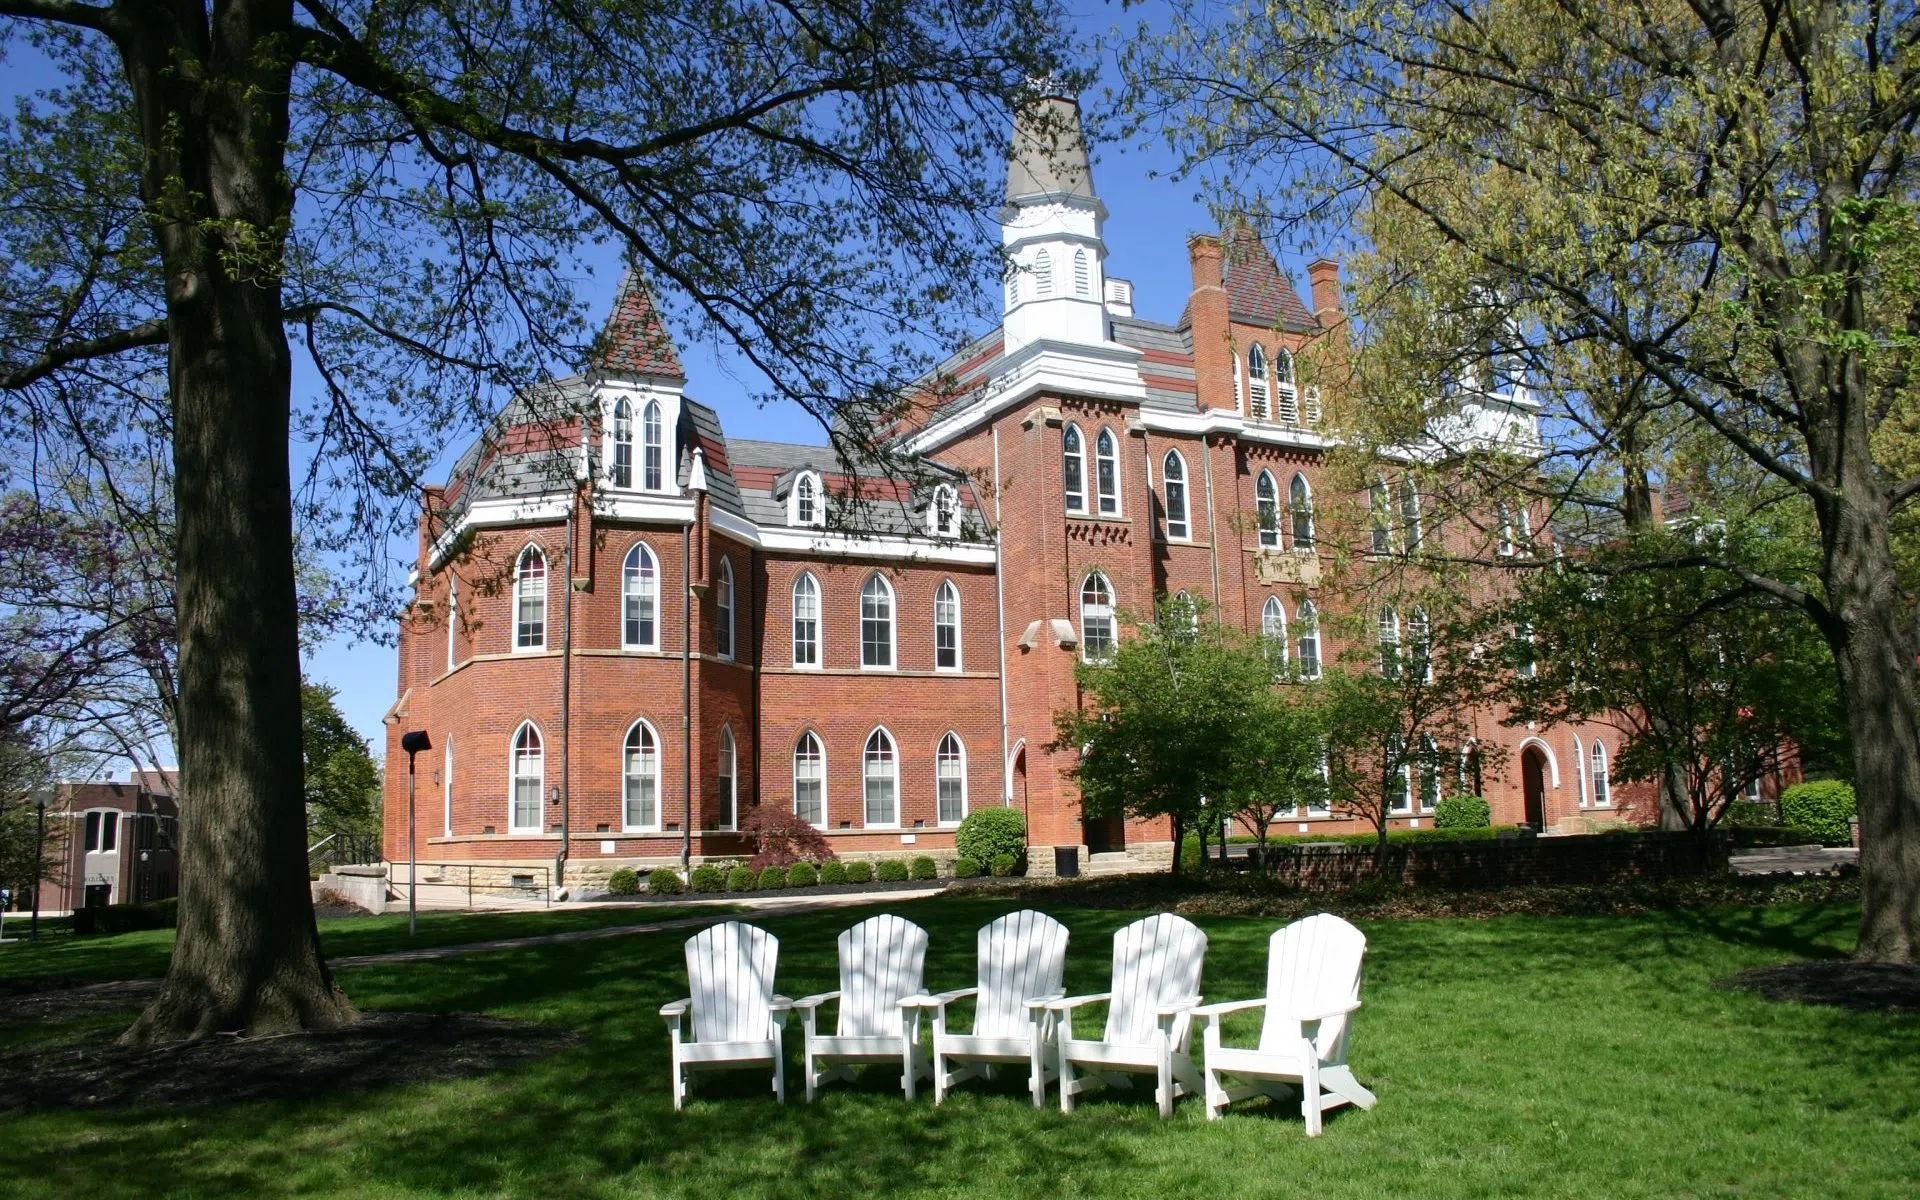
(729, 787)
(1073, 458)
(946, 627)
(654, 451)
(530, 601)
(640, 779)
(1257, 383)
(1389, 643)
(944, 512)
(528, 774)
(1174, 472)
(808, 508)
(1266, 506)
(1410, 514)
(1106, 456)
(1420, 644)
(950, 779)
(810, 780)
(876, 624)
(1300, 500)
(880, 772)
(723, 609)
(1096, 619)
(1043, 274)
(639, 595)
(1379, 515)
(1308, 630)
(1602, 784)
(622, 444)
(806, 621)
(1082, 274)
(1273, 631)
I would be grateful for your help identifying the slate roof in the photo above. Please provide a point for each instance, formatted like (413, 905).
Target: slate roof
(635, 340)
(1258, 292)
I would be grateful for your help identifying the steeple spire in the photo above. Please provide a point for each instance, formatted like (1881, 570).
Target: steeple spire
(1049, 152)
(1051, 230)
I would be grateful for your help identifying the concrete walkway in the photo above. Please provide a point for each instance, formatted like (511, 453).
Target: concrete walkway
(782, 906)
(1794, 860)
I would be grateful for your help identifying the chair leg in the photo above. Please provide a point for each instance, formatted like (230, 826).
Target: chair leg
(939, 1076)
(811, 1077)
(909, 1064)
(679, 1085)
(1340, 1081)
(1214, 1094)
(1036, 1074)
(1066, 1080)
(779, 1068)
(1164, 1093)
(1310, 1096)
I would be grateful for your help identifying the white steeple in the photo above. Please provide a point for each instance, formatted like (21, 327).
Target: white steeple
(1051, 228)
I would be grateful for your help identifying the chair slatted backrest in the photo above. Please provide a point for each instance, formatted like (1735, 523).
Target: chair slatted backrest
(1156, 961)
(882, 961)
(1023, 955)
(1312, 965)
(730, 976)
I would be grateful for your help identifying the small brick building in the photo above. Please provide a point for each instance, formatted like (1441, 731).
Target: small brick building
(118, 842)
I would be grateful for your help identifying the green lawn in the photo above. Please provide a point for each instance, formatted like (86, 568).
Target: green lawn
(1518, 1055)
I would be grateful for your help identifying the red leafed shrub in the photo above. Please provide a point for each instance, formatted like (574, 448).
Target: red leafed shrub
(781, 839)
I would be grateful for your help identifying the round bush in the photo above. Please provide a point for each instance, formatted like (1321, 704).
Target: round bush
(859, 872)
(924, 868)
(1462, 812)
(1004, 864)
(802, 874)
(773, 877)
(988, 833)
(624, 882)
(708, 878)
(892, 871)
(833, 871)
(740, 879)
(665, 881)
(966, 868)
(1822, 808)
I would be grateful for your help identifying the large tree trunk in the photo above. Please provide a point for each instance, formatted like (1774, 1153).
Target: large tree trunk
(212, 104)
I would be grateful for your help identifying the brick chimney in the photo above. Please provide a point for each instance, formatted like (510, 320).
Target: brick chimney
(1325, 274)
(1208, 313)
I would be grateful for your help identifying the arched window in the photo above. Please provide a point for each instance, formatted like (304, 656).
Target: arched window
(806, 621)
(1266, 509)
(1429, 774)
(810, 780)
(1106, 457)
(876, 623)
(1400, 799)
(1282, 366)
(880, 772)
(446, 791)
(950, 779)
(622, 443)
(1286, 400)
(1523, 659)
(453, 620)
(1273, 631)
(1300, 500)
(728, 781)
(1409, 514)
(1389, 643)
(640, 779)
(1096, 619)
(1239, 384)
(1420, 644)
(654, 453)
(1073, 461)
(946, 627)
(723, 609)
(1257, 383)
(807, 506)
(526, 780)
(1602, 784)
(1043, 273)
(530, 600)
(1379, 515)
(1173, 469)
(943, 514)
(1308, 627)
(1082, 274)
(1180, 617)
(639, 590)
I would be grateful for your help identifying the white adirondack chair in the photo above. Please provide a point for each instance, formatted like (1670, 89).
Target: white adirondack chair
(1156, 983)
(737, 1019)
(1022, 959)
(1313, 987)
(882, 960)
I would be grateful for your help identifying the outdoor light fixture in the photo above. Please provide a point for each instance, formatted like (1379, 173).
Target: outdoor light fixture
(413, 743)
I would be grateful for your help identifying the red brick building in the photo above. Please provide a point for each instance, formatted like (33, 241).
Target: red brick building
(117, 843)
(633, 627)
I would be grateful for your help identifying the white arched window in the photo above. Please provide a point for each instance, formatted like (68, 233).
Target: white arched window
(876, 624)
(1043, 273)
(453, 620)
(526, 779)
(943, 514)
(1257, 383)
(723, 609)
(1181, 617)
(653, 454)
(810, 780)
(729, 786)
(1524, 661)
(640, 780)
(1429, 774)
(622, 443)
(1073, 464)
(1400, 799)
(950, 779)
(1286, 401)
(1380, 516)
(1308, 630)
(1239, 384)
(639, 598)
(1602, 784)
(1389, 643)
(1410, 514)
(1420, 644)
(946, 627)
(446, 791)
(1173, 471)
(1266, 509)
(1273, 630)
(880, 773)
(1082, 274)
(1096, 619)
(806, 621)
(808, 508)
(530, 600)
(1106, 459)
(1300, 501)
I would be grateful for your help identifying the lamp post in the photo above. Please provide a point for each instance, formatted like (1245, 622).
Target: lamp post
(39, 859)
(413, 743)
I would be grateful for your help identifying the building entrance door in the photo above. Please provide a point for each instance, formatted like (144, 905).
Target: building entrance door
(1533, 784)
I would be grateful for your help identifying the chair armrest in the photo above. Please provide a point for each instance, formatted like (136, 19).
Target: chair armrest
(1341, 1011)
(780, 1005)
(937, 999)
(677, 1009)
(1066, 1002)
(815, 1001)
(1174, 1008)
(1224, 1007)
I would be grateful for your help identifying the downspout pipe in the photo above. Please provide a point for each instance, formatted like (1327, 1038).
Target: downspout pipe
(566, 710)
(1000, 621)
(686, 697)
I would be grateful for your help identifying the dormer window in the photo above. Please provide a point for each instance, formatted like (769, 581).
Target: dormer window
(622, 444)
(1285, 399)
(1257, 383)
(943, 517)
(806, 506)
(654, 453)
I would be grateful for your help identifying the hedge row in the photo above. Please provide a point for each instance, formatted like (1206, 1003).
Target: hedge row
(708, 878)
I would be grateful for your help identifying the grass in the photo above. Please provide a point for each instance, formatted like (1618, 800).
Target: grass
(1519, 1055)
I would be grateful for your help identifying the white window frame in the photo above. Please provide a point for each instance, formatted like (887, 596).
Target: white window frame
(514, 756)
(866, 755)
(1405, 806)
(1299, 507)
(940, 756)
(1420, 634)
(640, 580)
(1266, 500)
(653, 448)
(1429, 764)
(727, 778)
(1307, 622)
(812, 583)
(1103, 610)
(1379, 517)
(1109, 458)
(521, 598)
(1389, 635)
(943, 513)
(643, 727)
(1043, 273)
(1173, 475)
(1073, 450)
(1410, 531)
(892, 619)
(723, 610)
(819, 745)
(620, 439)
(1286, 397)
(1259, 391)
(1582, 781)
(807, 488)
(1082, 273)
(1601, 773)
(948, 588)
(1273, 631)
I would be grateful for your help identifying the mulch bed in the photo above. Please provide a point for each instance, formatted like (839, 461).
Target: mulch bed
(1858, 986)
(56, 997)
(384, 1050)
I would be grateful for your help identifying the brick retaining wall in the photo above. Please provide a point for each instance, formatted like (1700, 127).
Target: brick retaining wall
(1598, 859)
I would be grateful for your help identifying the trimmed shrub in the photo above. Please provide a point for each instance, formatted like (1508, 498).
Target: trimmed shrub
(802, 874)
(1462, 812)
(1822, 808)
(708, 878)
(127, 918)
(1745, 814)
(665, 881)
(987, 833)
(773, 877)
(1004, 865)
(892, 871)
(740, 879)
(1190, 860)
(966, 868)
(833, 871)
(624, 882)
(924, 868)
(860, 872)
